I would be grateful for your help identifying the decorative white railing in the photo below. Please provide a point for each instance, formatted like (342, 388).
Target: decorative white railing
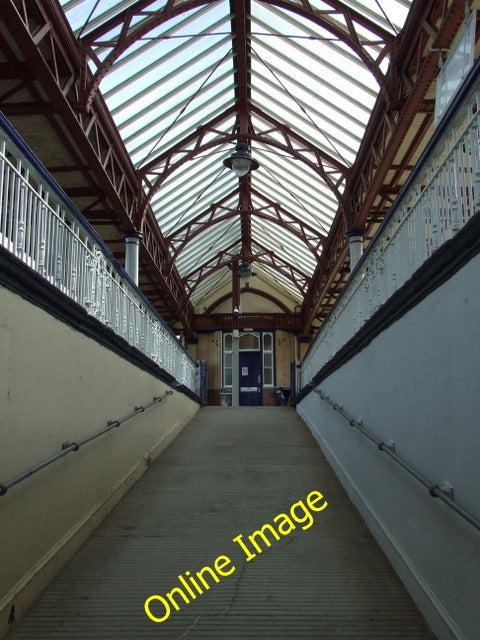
(41, 228)
(441, 196)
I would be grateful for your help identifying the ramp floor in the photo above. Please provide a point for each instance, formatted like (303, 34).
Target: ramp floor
(231, 471)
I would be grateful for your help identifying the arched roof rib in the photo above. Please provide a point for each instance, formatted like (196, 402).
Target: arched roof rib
(288, 229)
(129, 25)
(252, 290)
(292, 277)
(186, 79)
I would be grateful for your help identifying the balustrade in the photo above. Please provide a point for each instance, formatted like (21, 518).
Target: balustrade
(40, 227)
(442, 194)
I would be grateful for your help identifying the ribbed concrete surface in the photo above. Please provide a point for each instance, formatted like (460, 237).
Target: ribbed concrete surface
(229, 472)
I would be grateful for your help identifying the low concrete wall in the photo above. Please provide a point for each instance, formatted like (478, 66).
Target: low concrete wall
(58, 385)
(417, 383)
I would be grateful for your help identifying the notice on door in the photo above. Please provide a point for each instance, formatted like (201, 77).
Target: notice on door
(244, 371)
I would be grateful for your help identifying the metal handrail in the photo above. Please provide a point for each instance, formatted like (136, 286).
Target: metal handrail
(444, 492)
(68, 447)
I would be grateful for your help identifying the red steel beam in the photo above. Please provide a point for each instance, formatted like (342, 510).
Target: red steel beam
(265, 321)
(245, 205)
(241, 63)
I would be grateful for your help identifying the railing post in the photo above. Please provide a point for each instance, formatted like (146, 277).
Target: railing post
(21, 213)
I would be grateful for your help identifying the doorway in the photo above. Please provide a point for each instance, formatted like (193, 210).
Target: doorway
(254, 376)
(250, 378)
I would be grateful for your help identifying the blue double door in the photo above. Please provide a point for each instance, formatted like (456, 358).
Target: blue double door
(250, 378)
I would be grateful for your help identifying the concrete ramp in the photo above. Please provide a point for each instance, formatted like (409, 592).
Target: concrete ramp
(192, 533)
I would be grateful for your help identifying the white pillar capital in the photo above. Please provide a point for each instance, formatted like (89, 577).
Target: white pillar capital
(355, 239)
(132, 253)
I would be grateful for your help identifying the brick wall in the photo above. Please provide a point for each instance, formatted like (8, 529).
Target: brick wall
(209, 348)
(284, 355)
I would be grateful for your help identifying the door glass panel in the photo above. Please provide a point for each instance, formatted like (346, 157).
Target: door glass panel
(268, 375)
(267, 342)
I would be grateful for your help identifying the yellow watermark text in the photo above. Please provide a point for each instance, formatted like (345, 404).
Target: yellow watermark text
(159, 607)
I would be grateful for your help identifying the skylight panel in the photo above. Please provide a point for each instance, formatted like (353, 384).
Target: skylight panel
(335, 69)
(160, 143)
(283, 242)
(212, 282)
(320, 131)
(201, 172)
(141, 122)
(204, 188)
(164, 74)
(292, 173)
(322, 213)
(218, 238)
(154, 140)
(279, 278)
(390, 14)
(306, 205)
(85, 15)
(333, 132)
(175, 213)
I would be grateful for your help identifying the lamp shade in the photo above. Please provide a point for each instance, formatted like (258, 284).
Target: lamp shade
(245, 270)
(241, 161)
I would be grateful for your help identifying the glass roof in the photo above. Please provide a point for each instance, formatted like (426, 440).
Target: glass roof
(184, 80)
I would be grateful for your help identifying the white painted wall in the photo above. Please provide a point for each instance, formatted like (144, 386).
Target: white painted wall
(417, 383)
(57, 385)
